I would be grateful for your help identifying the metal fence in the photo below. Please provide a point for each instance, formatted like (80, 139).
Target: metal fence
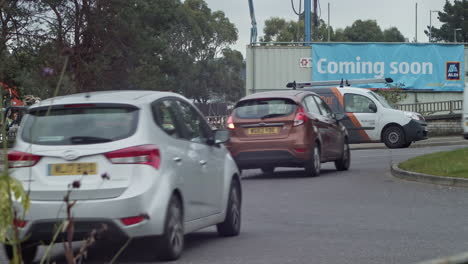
(432, 107)
(217, 122)
(10, 135)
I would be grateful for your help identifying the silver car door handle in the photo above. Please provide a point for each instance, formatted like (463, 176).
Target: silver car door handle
(203, 162)
(177, 159)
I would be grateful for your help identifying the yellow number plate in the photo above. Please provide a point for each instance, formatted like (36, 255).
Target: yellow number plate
(61, 169)
(262, 130)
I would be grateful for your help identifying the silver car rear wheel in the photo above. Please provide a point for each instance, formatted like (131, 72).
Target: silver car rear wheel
(232, 223)
(171, 244)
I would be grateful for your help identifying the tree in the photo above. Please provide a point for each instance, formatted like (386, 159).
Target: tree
(205, 35)
(15, 22)
(364, 31)
(453, 17)
(279, 30)
(16, 26)
(368, 31)
(120, 44)
(231, 85)
(393, 35)
(340, 35)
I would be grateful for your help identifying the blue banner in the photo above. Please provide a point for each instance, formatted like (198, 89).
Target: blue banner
(418, 66)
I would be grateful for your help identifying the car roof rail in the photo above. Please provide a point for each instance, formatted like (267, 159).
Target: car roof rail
(294, 85)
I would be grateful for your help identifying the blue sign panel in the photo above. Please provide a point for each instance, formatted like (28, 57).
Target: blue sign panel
(418, 66)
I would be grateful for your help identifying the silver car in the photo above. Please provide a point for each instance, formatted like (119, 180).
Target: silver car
(147, 164)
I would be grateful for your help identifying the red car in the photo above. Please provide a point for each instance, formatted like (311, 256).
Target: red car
(287, 129)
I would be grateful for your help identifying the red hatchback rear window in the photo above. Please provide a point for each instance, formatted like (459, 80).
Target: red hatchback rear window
(264, 108)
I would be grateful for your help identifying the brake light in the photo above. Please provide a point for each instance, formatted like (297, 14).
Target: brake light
(301, 117)
(133, 220)
(144, 154)
(300, 150)
(20, 223)
(230, 124)
(18, 159)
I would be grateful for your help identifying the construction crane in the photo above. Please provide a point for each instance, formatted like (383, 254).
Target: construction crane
(253, 29)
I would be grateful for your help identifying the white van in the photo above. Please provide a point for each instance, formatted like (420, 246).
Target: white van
(367, 115)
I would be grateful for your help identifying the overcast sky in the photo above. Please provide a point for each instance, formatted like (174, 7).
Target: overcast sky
(388, 13)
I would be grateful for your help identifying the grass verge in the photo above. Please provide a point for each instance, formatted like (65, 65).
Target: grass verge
(448, 164)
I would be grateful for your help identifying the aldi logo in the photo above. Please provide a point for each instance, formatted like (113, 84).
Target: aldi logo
(452, 71)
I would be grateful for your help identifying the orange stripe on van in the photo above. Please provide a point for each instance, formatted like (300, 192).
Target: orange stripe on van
(338, 95)
(358, 125)
(351, 116)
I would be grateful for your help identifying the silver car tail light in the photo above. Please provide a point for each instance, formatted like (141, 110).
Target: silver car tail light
(18, 159)
(144, 154)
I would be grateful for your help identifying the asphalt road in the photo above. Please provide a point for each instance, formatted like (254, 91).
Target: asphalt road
(363, 215)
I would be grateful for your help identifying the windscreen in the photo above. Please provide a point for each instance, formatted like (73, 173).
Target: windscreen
(79, 125)
(264, 108)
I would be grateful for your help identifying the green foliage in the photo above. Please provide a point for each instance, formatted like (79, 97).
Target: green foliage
(200, 75)
(364, 31)
(10, 190)
(394, 94)
(450, 163)
(393, 35)
(369, 31)
(119, 44)
(279, 30)
(232, 85)
(452, 17)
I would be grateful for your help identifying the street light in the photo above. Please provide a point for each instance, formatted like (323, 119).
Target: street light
(430, 23)
(455, 34)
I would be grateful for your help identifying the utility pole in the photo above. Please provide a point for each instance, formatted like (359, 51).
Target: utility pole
(416, 25)
(430, 24)
(307, 9)
(328, 21)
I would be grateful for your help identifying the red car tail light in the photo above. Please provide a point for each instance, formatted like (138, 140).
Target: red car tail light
(300, 150)
(301, 117)
(230, 124)
(18, 159)
(144, 154)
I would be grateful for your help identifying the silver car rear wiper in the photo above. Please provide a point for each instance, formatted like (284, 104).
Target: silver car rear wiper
(88, 140)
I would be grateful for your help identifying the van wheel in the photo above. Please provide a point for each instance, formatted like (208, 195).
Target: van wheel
(345, 160)
(312, 168)
(232, 223)
(170, 245)
(268, 170)
(394, 137)
(28, 252)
